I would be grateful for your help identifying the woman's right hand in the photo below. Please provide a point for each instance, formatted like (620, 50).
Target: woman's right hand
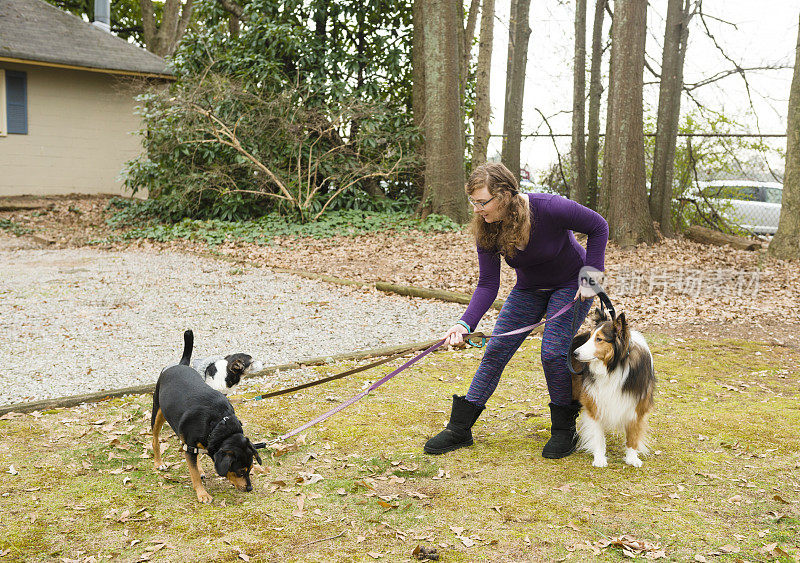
(455, 336)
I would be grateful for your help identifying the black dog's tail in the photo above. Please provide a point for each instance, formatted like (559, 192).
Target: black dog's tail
(156, 405)
(188, 343)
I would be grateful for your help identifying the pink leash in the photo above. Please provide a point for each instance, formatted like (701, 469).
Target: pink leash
(408, 364)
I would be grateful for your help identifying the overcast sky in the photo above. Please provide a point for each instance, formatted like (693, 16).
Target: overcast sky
(765, 33)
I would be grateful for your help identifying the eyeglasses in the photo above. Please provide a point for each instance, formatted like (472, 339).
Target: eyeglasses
(480, 204)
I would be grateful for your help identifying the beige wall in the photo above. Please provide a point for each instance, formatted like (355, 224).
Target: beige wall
(81, 130)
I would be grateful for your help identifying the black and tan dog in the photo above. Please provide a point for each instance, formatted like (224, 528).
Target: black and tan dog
(203, 419)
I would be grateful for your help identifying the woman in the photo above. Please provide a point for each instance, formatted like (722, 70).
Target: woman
(533, 232)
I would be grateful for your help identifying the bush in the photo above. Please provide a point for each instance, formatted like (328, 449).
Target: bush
(216, 148)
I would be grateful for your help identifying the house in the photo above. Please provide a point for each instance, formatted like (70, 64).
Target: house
(67, 119)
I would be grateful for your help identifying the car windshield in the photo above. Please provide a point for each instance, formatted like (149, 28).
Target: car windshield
(773, 195)
(744, 193)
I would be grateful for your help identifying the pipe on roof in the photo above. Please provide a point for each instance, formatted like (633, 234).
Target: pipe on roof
(102, 15)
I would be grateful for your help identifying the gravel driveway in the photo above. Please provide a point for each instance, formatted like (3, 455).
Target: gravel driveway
(82, 320)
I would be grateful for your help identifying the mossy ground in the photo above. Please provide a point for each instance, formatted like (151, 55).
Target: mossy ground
(723, 481)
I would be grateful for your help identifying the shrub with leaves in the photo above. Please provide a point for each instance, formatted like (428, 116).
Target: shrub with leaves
(216, 148)
(305, 107)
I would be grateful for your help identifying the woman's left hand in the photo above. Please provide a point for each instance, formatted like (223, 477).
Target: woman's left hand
(584, 293)
(588, 283)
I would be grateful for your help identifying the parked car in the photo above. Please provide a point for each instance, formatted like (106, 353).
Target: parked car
(753, 206)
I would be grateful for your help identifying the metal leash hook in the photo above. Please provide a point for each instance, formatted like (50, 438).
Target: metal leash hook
(590, 277)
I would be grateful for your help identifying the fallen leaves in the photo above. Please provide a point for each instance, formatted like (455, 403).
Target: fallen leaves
(630, 546)
(301, 500)
(774, 550)
(780, 499)
(125, 515)
(154, 547)
(467, 540)
(307, 478)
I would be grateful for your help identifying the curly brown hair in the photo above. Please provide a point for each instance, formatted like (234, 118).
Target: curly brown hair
(514, 230)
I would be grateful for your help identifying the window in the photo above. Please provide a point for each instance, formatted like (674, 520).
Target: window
(773, 195)
(16, 102)
(742, 193)
(3, 132)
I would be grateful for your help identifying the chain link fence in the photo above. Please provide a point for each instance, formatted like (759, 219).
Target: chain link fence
(750, 207)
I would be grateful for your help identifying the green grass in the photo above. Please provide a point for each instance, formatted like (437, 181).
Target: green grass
(14, 228)
(723, 481)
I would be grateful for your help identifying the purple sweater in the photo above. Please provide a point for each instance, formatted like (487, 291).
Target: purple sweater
(552, 259)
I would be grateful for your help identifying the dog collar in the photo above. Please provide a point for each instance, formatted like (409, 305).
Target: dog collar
(192, 450)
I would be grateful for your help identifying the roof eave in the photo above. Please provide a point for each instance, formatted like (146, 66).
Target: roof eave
(139, 74)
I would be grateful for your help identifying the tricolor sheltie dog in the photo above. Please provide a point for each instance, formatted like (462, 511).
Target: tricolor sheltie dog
(615, 385)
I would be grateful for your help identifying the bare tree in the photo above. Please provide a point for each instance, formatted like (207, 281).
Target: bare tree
(483, 108)
(786, 242)
(578, 190)
(442, 28)
(595, 92)
(624, 193)
(162, 39)
(418, 86)
(676, 35)
(469, 36)
(519, 33)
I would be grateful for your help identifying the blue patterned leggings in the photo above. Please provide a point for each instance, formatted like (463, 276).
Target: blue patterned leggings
(522, 308)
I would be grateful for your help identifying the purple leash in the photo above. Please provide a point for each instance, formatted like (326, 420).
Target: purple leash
(375, 385)
(408, 364)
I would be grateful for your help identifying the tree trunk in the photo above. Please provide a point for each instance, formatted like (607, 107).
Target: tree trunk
(624, 183)
(676, 36)
(595, 93)
(469, 35)
(578, 190)
(519, 33)
(786, 242)
(418, 90)
(483, 110)
(234, 26)
(162, 39)
(444, 123)
(236, 15)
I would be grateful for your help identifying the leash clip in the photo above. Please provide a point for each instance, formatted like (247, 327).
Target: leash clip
(468, 339)
(590, 278)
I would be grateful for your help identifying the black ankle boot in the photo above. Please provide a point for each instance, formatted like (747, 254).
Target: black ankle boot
(563, 437)
(457, 433)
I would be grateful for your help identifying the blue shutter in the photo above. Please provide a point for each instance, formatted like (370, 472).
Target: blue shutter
(16, 102)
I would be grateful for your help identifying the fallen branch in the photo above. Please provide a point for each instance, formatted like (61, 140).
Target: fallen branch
(710, 236)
